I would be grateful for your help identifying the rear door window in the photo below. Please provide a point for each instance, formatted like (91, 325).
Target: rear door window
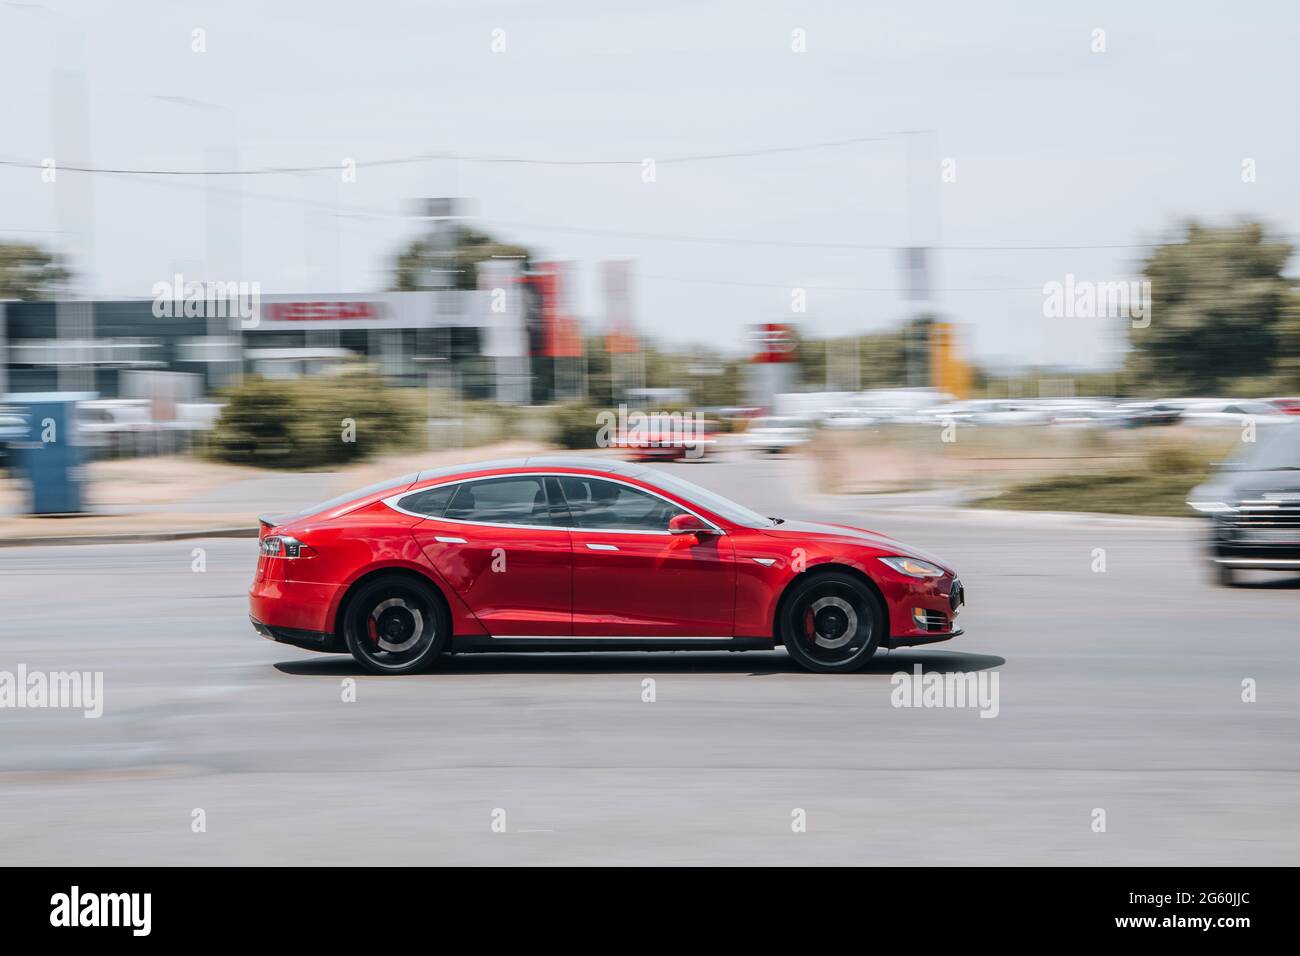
(512, 500)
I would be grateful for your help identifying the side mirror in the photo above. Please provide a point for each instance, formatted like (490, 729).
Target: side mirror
(688, 524)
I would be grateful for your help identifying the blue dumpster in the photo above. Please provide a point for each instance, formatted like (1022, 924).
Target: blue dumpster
(50, 457)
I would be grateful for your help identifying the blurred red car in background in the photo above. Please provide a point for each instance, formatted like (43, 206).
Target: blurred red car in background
(1290, 406)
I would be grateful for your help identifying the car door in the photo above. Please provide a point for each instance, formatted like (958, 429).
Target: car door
(497, 543)
(631, 578)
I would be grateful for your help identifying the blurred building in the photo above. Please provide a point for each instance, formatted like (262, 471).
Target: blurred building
(511, 339)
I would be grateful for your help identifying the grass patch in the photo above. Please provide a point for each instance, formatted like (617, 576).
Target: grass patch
(1158, 487)
(1105, 493)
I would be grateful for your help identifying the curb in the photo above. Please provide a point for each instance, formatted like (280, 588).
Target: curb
(127, 537)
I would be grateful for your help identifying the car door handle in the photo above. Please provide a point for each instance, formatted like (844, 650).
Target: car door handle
(602, 547)
(445, 539)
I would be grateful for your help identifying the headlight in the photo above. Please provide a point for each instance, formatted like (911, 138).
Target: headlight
(1211, 507)
(914, 567)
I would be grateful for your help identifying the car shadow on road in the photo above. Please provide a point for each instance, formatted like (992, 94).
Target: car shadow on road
(748, 663)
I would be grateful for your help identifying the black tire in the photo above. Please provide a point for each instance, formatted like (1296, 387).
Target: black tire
(831, 623)
(396, 624)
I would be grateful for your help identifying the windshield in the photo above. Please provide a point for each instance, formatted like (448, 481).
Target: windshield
(1278, 448)
(725, 507)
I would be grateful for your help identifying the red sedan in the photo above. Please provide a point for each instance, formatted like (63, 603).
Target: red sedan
(563, 554)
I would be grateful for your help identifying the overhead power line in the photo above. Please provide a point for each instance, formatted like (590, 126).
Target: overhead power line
(810, 244)
(458, 157)
(786, 286)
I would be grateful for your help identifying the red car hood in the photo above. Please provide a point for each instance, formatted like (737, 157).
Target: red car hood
(851, 535)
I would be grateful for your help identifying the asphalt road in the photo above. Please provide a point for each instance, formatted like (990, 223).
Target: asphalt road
(1118, 690)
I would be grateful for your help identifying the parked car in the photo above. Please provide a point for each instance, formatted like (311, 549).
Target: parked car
(1253, 504)
(1081, 413)
(1143, 414)
(13, 429)
(1231, 413)
(1287, 406)
(851, 418)
(992, 411)
(563, 554)
(111, 423)
(777, 434)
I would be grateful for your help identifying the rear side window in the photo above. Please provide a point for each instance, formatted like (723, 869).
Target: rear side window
(606, 505)
(520, 500)
(432, 502)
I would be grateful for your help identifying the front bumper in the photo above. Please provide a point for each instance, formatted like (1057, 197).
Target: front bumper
(1276, 563)
(921, 610)
(911, 640)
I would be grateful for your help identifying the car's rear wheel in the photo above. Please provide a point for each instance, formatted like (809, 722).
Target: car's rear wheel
(1224, 576)
(396, 625)
(832, 622)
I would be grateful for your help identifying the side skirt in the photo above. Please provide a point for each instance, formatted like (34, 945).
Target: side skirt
(477, 644)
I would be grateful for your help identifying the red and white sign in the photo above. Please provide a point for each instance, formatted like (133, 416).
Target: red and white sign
(386, 310)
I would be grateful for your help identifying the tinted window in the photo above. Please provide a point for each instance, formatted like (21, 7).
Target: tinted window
(501, 501)
(607, 505)
(432, 502)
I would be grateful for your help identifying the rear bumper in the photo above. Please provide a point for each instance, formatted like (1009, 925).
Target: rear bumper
(308, 640)
(292, 605)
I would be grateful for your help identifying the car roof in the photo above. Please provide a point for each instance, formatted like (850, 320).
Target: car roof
(626, 469)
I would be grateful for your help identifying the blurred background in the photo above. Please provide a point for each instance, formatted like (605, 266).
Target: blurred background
(225, 229)
(920, 268)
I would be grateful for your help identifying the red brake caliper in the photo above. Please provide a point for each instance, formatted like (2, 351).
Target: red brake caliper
(373, 630)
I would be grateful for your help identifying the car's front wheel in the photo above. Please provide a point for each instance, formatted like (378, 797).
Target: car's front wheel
(832, 622)
(396, 625)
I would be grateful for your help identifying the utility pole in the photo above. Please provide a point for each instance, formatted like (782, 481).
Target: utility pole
(922, 175)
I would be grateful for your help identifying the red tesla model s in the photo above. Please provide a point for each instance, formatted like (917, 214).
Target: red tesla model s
(563, 554)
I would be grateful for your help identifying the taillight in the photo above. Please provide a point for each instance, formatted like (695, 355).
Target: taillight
(283, 546)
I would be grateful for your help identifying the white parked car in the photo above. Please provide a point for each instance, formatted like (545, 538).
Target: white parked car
(777, 434)
(848, 418)
(1233, 413)
(101, 418)
(991, 411)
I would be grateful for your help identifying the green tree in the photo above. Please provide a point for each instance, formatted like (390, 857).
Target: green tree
(881, 357)
(29, 272)
(1218, 313)
(320, 422)
(412, 264)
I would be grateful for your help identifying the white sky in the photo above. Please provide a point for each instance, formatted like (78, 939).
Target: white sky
(1054, 145)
